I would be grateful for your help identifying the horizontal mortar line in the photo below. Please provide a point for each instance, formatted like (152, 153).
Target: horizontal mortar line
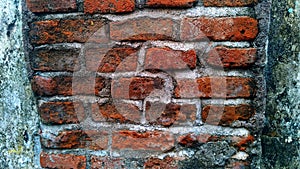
(198, 11)
(72, 15)
(186, 101)
(179, 14)
(212, 72)
(96, 99)
(208, 72)
(219, 11)
(242, 44)
(204, 129)
(198, 45)
(74, 45)
(56, 129)
(77, 151)
(226, 102)
(180, 153)
(172, 44)
(52, 74)
(82, 98)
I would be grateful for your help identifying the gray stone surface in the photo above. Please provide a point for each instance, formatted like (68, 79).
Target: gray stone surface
(210, 155)
(18, 117)
(280, 143)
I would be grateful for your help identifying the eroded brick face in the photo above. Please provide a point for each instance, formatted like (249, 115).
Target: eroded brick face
(170, 114)
(88, 139)
(55, 60)
(146, 84)
(168, 59)
(117, 59)
(68, 85)
(136, 88)
(215, 87)
(225, 115)
(66, 112)
(231, 3)
(62, 161)
(108, 6)
(219, 29)
(231, 57)
(59, 31)
(148, 141)
(116, 112)
(51, 6)
(143, 29)
(170, 3)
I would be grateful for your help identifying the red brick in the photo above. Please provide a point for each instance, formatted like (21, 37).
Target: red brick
(107, 163)
(67, 85)
(216, 87)
(143, 29)
(55, 60)
(168, 59)
(108, 6)
(192, 139)
(188, 140)
(170, 3)
(51, 6)
(242, 142)
(135, 88)
(90, 139)
(62, 161)
(238, 165)
(117, 59)
(219, 29)
(231, 58)
(116, 112)
(165, 163)
(149, 140)
(62, 112)
(169, 114)
(229, 2)
(225, 115)
(59, 31)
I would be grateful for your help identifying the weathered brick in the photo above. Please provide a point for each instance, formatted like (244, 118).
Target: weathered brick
(189, 140)
(136, 88)
(64, 30)
(229, 2)
(56, 161)
(108, 6)
(225, 115)
(169, 114)
(90, 139)
(192, 139)
(231, 57)
(219, 29)
(62, 112)
(143, 29)
(216, 87)
(148, 141)
(170, 3)
(165, 163)
(238, 165)
(51, 6)
(55, 60)
(116, 112)
(107, 163)
(168, 59)
(117, 59)
(68, 85)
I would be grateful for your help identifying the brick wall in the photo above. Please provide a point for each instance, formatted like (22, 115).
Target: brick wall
(147, 83)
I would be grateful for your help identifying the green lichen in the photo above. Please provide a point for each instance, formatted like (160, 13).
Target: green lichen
(18, 115)
(281, 143)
